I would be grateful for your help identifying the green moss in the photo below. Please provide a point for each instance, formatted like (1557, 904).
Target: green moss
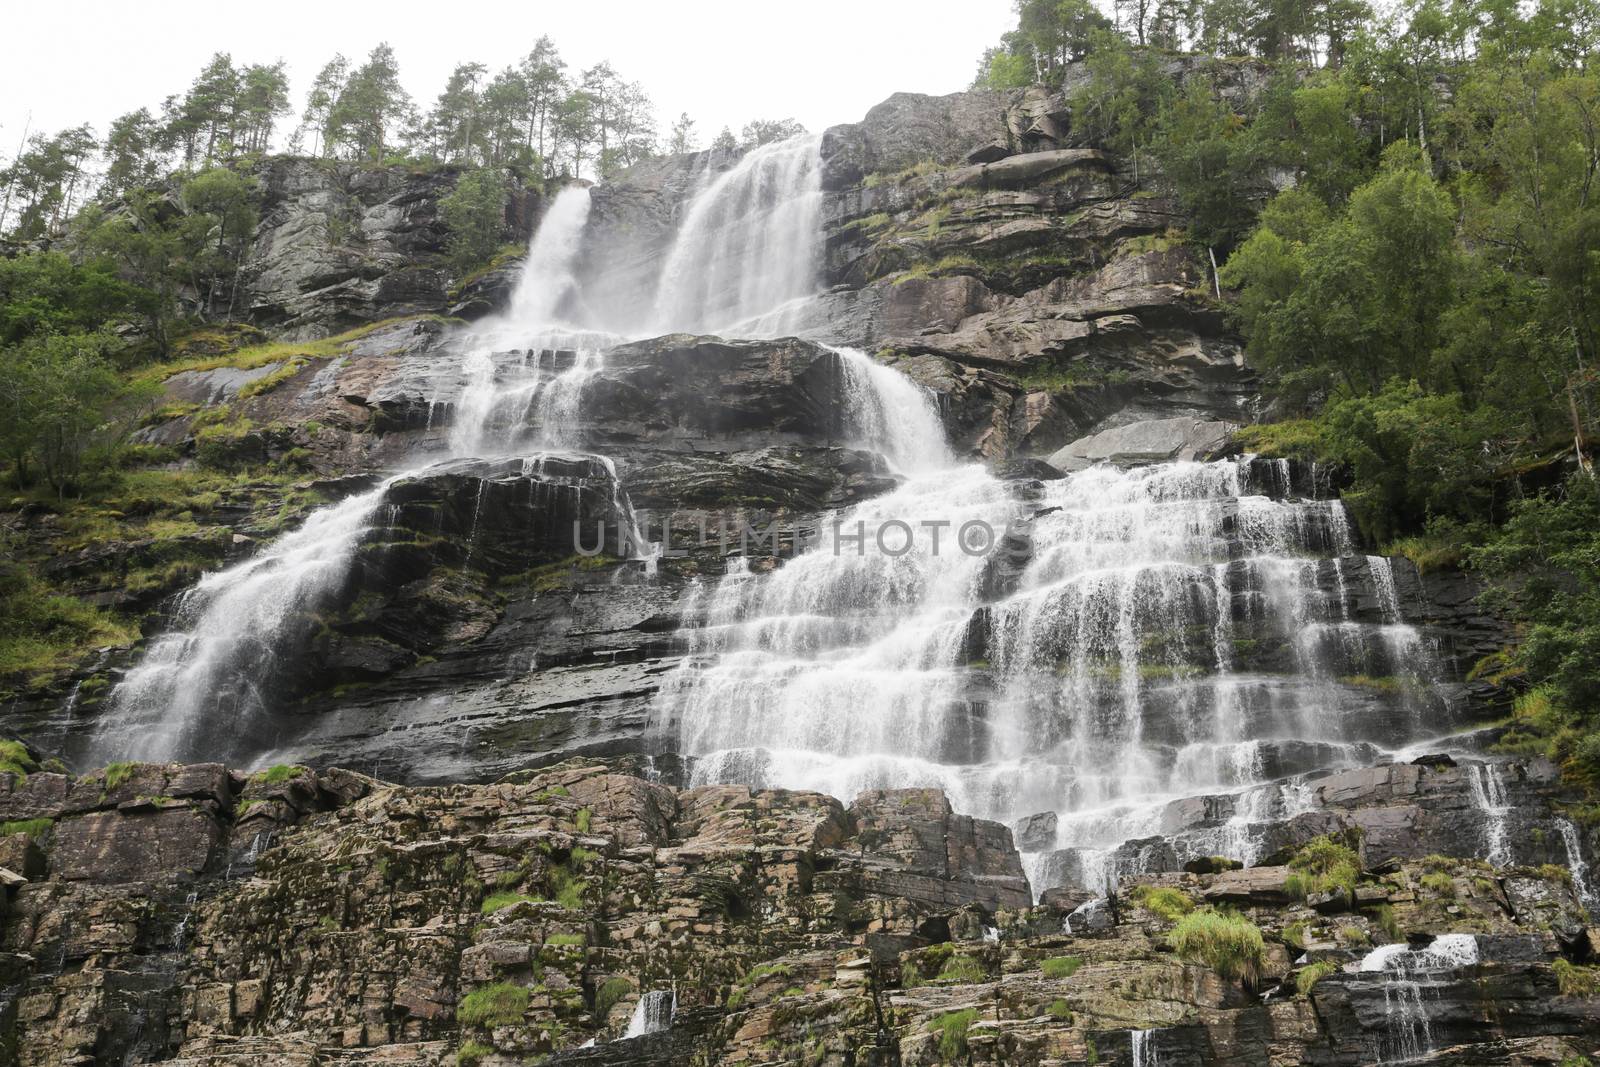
(1061, 966)
(1389, 924)
(1439, 884)
(1310, 975)
(1226, 942)
(500, 901)
(31, 827)
(582, 820)
(254, 356)
(501, 1004)
(1164, 901)
(566, 940)
(1058, 1009)
(277, 773)
(952, 1029)
(471, 1053)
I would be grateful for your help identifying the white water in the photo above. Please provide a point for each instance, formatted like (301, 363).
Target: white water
(1142, 1048)
(1102, 686)
(197, 685)
(1409, 975)
(747, 251)
(1489, 794)
(652, 1014)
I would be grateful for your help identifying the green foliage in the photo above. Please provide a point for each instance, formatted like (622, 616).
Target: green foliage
(566, 940)
(475, 211)
(1060, 966)
(500, 901)
(1439, 884)
(119, 772)
(952, 1028)
(471, 1053)
(1322, 865)
(278, 772)
(1059, 1009)
(962, 969)
(1576, 981)
(500, 1004)
(31, 827)
(582, 820)
(1164, 902)
(1226, 942)
(1307, 977)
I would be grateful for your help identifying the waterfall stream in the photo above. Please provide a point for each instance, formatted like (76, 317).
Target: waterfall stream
(1094, 647)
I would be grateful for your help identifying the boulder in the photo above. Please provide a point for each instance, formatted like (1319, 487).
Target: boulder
(1147, 441)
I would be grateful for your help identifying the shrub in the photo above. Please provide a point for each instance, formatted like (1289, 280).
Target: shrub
(501, 1004)
(952, 1030)
(1228, 943)
(1059, 1010)
(1164, 902)
(1309, 976)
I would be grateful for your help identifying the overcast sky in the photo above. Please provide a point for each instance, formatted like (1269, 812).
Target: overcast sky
(723, 61)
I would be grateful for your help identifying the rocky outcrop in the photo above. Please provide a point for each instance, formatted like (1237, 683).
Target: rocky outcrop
(342, 244)
(204, 917)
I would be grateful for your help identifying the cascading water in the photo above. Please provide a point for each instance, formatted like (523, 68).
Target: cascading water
(1489, 794)
(744, 255)
(652, 1014)
(747, 251)
(1170, 633)
(198, 690)
(1409, 976)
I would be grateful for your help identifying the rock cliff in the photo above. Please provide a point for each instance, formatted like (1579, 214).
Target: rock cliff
(203, 917)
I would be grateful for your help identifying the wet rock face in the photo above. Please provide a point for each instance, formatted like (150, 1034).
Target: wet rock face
(205, 917)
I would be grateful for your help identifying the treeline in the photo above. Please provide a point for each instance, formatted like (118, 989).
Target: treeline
(535, 119)
(1420, 295)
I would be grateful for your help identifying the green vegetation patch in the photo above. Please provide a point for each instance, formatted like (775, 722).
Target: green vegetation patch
(1227, 942)
(500, 1004)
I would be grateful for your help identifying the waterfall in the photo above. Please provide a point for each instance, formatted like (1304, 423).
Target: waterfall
(1142, 1048)
(1113, 676)
(1489, 794)
(1579, 866)
(1408, 975)
(652, 1014)
(198, 690)
(748, 249)
(892, 415)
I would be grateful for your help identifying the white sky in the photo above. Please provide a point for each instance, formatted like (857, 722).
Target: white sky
(723, 61)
